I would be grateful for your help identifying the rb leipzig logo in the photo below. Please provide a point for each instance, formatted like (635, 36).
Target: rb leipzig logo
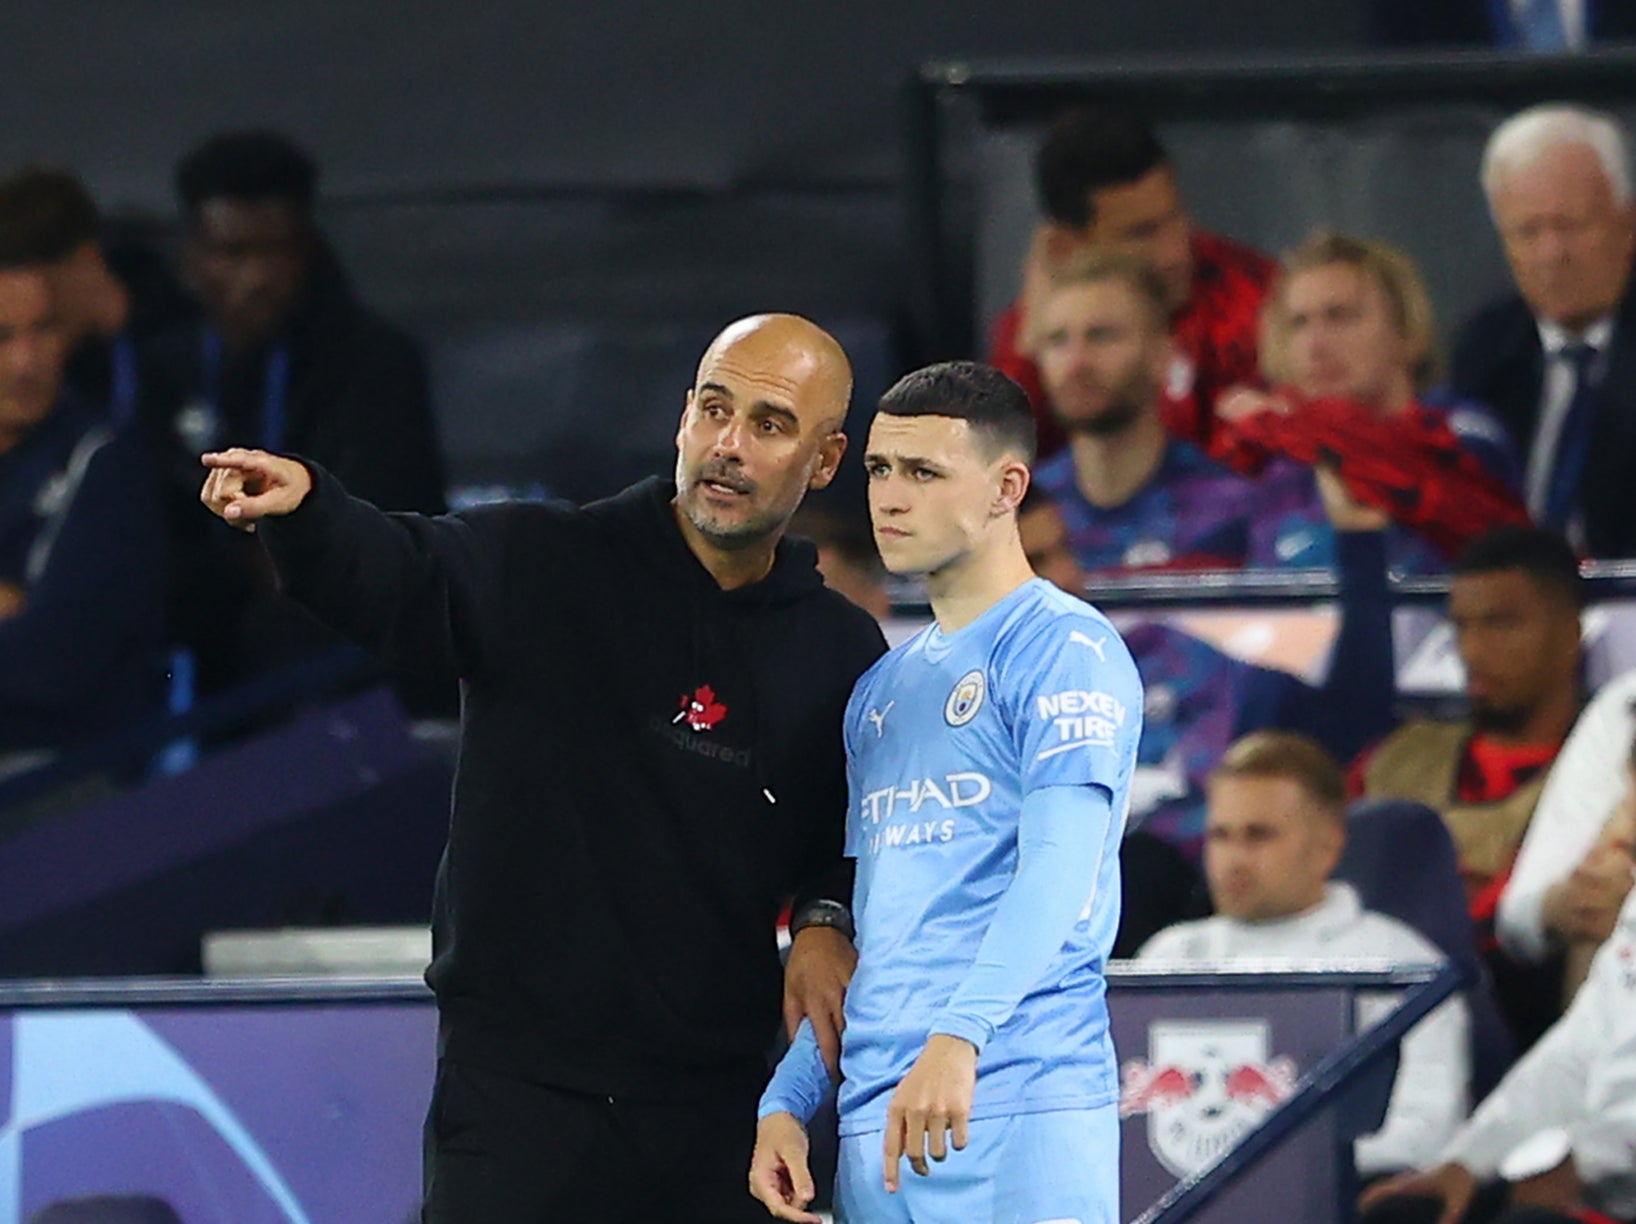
(1206, 1085)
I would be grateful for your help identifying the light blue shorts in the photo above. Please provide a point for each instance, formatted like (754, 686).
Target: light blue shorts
(1060, 1167)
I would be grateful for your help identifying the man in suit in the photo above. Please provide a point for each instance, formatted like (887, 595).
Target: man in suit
(1557, 362)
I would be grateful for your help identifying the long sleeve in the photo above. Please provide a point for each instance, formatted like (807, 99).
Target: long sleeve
(1586, 782)
(94, 609)
(800, 1082)
(1061, 834)
(1546, 1089)
(406, 586)
(1353, 706)
(1429, 1095)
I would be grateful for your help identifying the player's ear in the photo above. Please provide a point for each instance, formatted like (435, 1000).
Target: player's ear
(827, 461)
(1013, 486)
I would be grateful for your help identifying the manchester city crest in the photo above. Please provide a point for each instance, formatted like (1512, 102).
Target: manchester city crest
(965, 700)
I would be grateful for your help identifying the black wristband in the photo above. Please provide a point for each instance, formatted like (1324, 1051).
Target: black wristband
(825, 914)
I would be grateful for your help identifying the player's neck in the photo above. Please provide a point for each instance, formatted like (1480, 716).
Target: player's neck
(1110, 470)
(962, 592)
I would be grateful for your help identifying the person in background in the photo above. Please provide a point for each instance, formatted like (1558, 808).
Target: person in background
(285, 358)
(1576, 863)
(847, 559)
(81, 547)
(1349, 346)
(1273, 836)
(49, 221)
(1106, 182)
(1556, 360)
(1132, 495)
(1552, 1143)
(1515, 601)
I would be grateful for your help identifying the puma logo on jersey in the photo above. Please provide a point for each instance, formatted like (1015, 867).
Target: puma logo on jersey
(1098, 645)
(878, 717)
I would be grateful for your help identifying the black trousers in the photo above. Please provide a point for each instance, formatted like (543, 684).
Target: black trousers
(506, 1151)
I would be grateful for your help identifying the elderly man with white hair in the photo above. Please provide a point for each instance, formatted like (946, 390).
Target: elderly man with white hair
(1557, 362)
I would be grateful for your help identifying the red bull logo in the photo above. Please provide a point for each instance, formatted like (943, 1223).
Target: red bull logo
(1207, 1084)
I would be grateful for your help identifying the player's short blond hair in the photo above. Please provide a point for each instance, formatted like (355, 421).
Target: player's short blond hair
(1284, 754)
(1096, 267)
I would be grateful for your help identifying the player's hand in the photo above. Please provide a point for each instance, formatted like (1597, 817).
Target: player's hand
(1450, 1184)
(1049, 248)
(1594, 894)
(1242, 401)
(932, 1101)
(815, 980)
(779, 1178)
(1346, 513)
(246, 485)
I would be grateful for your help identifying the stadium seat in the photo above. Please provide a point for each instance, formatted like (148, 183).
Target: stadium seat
(1401, 860)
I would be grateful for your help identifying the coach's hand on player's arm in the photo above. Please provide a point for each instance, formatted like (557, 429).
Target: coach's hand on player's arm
(932, 1101)
(1450, 1184)
(779, 1177)
(815, 980)
(246, 485)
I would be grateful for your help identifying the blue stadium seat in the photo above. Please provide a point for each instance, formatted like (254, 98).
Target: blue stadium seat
(1402, 862)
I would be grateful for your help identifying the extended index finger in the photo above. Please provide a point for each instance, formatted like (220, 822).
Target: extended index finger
(241, 458)
(894, 1147)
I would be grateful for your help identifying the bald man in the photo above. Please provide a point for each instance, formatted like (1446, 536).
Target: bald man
(651, 763)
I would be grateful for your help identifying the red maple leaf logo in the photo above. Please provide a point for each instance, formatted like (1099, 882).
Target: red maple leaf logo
(701, 711)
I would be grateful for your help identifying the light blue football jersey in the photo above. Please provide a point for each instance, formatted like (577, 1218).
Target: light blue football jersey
(945, 736)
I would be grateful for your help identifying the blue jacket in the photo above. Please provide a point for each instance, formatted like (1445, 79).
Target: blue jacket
(80, 534)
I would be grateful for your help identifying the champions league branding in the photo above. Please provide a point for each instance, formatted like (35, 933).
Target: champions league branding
(1205, 1085)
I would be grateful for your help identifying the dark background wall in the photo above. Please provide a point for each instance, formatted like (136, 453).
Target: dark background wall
(621, 160)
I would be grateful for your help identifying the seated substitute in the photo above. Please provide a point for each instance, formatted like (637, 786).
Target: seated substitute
(1132, 495)
(1575, 867)
(1349, 344)
(1515, 602)
(1274, 833)
(1106, 182)
(989, 761)
(1553, 1143)
(49, 221)
(81, 549)
(286, 359)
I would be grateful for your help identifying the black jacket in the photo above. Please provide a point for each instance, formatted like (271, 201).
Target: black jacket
(649, 765)
(1498, 361)
(80, 534)
(356, 402)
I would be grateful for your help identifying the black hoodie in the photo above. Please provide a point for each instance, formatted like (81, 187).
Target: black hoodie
(649, 765)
